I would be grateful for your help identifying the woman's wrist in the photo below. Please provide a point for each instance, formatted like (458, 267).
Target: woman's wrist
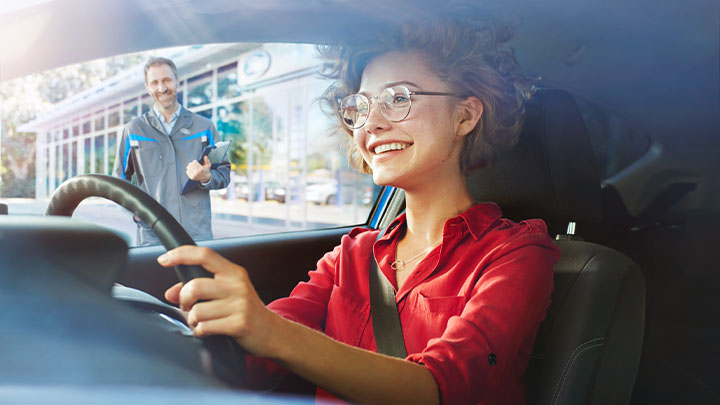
(273, 338)
(283, 341)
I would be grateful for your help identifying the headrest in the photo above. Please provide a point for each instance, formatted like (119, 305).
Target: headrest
(551, 173)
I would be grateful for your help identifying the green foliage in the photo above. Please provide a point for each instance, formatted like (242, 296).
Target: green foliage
(21, 100)
(59, 84)
(236, 125)
(262, 130)
(17, 168)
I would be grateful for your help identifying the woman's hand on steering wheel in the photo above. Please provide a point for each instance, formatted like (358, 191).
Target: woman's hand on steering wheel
(224, 305)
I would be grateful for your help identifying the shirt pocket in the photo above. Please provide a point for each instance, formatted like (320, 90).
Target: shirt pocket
(347, 316)
(150, 159)
(437, 311)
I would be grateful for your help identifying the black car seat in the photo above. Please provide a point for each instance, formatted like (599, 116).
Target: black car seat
(588, 348)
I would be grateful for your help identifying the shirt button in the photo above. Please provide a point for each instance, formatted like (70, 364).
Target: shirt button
(492, 359)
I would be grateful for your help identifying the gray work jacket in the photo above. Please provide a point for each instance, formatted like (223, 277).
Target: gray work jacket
(158, 162)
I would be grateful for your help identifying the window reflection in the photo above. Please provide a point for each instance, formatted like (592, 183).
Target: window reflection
(199, 90)
(65, 162)
(181, 92)
(130, 110)
(99, 120)
(88, 156)
(146, 103)
(73, 170)
(205, 113)
(111, 150)
(100, 154)
(86, 125)
(49, 168)
(228, 81)
(114, 116)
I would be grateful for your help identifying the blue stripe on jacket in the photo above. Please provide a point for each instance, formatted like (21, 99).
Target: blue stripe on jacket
(208, 133)
(126, 155)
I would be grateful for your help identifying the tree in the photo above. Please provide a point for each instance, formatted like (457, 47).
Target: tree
(235, 125)
(17, 167)
(262, 128)
(21, 100)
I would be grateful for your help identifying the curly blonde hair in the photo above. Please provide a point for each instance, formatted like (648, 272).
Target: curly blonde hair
(470, 58)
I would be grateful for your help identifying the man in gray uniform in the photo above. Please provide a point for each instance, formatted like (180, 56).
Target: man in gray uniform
(161, 149)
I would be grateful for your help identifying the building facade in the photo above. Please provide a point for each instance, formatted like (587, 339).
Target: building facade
(259, 95)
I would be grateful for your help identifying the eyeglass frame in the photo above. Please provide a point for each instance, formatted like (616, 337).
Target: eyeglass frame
(409, 92)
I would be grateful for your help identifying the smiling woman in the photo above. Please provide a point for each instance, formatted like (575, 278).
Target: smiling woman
(502, 91)
(639, 77)
(456, 271)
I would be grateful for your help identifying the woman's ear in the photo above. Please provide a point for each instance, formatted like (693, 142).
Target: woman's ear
(469, 112)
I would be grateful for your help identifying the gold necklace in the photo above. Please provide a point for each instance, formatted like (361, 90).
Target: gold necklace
(398, 264)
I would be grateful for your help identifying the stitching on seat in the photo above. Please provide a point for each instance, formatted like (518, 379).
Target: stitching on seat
(592, 343)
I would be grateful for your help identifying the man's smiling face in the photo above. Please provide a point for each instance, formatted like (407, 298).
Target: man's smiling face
(161, 83)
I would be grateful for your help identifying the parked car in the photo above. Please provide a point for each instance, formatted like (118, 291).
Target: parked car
(276, 191)
(327, 191)
(640, 77)
(270, 191)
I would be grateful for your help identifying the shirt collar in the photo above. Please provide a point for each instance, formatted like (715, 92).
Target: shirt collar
(162, 119)
(476, 219)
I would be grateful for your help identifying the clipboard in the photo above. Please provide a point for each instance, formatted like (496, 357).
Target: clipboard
(216, 153)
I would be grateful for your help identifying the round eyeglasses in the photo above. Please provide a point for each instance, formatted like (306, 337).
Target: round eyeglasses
(394, 104)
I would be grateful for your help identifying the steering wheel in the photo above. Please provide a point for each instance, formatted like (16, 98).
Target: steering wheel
(72, 192)
(228, 358)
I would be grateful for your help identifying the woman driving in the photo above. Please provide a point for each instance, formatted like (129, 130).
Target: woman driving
(419, 109)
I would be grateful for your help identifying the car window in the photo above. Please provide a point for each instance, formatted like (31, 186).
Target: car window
(288, 171)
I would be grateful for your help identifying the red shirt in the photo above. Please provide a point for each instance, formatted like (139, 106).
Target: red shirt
(469, 311)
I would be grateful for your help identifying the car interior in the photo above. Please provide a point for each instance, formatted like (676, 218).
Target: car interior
(588, 348)
(618, 154)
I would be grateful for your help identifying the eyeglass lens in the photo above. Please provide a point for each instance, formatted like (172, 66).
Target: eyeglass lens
(394, 103)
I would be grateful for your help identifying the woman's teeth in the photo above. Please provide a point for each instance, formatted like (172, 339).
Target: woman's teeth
(390, 146)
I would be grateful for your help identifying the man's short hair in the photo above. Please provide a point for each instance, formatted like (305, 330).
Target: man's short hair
(157, 60)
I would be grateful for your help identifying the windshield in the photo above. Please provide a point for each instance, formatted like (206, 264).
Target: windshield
(286, 170)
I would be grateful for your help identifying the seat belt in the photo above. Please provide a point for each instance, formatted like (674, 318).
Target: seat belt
(383, 311)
